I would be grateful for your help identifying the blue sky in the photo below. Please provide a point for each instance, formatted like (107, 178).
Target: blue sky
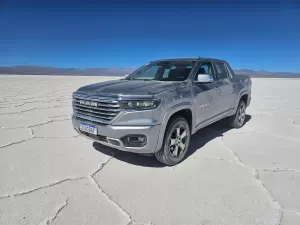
(89, 33)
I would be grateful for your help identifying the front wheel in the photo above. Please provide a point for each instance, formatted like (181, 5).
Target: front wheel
(176, 142)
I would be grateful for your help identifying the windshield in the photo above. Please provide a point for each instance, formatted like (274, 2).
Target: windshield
(163, 71)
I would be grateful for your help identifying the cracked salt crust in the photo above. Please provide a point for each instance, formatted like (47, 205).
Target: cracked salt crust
(284, 186)
(85, 205)
(139, 223)
(39, 162)
(290, 218)
(25, 120)
(196, 187)
(276, 153)
(29, 107)
(246, 176)
(9, 137)
(60, 118)
(50, 219)
(55, 129)
(126, 214)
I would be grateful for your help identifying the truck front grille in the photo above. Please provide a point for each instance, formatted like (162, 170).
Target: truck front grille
(94, 108)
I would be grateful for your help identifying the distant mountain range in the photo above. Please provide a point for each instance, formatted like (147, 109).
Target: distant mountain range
(265, 74)
(45, 70)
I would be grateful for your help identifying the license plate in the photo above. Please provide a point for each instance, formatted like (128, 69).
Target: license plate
(88, 128)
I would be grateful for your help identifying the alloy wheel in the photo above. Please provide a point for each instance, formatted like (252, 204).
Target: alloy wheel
(177, 143)
(241, 114)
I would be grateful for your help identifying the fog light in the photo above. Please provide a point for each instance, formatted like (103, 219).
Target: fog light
(135, 140)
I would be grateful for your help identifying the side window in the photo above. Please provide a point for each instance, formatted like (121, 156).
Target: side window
(221, 70)
(205, 68)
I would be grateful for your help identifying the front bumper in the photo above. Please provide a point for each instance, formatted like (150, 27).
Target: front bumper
(111, 136)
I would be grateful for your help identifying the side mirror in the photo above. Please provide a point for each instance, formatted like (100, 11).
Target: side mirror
(205, 78)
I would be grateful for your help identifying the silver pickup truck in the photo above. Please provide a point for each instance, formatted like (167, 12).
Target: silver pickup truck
(155, 109)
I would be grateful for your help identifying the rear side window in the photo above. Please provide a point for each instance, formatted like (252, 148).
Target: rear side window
(229, 70)
(221, 70)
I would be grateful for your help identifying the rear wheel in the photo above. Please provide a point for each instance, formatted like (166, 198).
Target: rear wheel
(176, 142)
(238, 119)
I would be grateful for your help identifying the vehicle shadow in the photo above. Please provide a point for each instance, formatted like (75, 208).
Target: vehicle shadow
(198, 140)
(207, 134)
(128, 157)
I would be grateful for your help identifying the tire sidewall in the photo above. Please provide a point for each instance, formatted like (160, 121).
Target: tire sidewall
(237, 124)
(171, 160)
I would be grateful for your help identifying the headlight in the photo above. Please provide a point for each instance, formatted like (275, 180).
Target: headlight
(140, 104)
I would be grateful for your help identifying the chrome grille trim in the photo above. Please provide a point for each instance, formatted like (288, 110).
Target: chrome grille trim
(100, 104)
(92, 114)
(107, 108)
(101, 111)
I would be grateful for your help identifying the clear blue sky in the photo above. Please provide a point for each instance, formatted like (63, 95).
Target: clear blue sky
(89, 33)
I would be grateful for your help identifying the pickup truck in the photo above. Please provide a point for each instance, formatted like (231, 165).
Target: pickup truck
(155, 109)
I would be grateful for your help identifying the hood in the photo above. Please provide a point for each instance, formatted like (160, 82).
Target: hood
(127, 87)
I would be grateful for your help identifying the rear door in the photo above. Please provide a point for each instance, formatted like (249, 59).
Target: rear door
(227, 86)
(207, 96)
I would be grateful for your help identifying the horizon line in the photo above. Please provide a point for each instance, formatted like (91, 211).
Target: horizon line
(32, 65)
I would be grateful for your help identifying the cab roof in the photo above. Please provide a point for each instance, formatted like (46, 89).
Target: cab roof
(189, 59)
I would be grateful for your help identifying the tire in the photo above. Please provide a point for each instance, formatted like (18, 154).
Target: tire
(171, 152)
(238, 119)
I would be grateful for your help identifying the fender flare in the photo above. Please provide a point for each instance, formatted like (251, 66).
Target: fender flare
(171, 111)
(242, 93)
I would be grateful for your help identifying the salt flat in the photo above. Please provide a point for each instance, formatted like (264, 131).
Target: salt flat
(50, 175)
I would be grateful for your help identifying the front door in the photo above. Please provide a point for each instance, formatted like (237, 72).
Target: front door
(207, 96)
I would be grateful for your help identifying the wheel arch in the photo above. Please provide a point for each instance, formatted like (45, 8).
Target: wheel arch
(243, 96)
(184, 110)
